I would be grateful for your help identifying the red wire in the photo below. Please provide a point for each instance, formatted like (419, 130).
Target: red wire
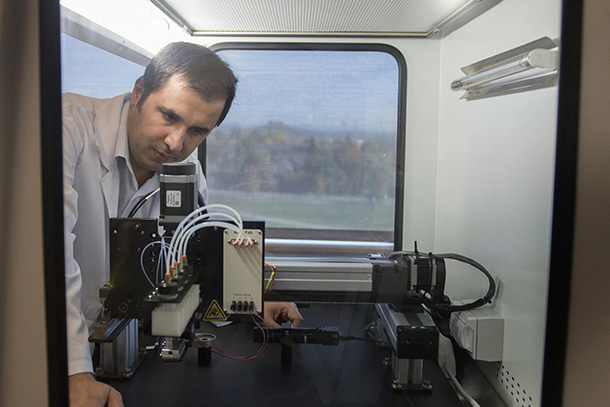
(249, 357)
(266, 340)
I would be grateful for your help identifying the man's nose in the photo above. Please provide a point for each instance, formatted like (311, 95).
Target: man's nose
(175, 139)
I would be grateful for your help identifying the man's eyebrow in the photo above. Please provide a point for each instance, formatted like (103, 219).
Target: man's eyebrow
(169, 111)
(176, 117)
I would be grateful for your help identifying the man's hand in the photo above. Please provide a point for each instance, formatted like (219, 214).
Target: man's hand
(85, 391)
(278, 312)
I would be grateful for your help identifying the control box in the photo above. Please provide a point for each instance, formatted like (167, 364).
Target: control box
(243, 268)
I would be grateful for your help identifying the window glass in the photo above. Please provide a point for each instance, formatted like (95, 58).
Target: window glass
(91, 71)
(310, 144)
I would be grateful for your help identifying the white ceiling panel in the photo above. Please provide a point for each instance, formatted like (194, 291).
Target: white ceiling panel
(322, 17)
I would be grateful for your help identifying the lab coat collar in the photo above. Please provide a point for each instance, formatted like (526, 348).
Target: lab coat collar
(107, 132)
(108, 125)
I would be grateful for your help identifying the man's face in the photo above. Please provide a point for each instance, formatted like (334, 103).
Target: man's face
(168, 126)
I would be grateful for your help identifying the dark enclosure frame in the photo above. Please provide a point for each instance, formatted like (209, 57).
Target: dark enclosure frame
(563, 206)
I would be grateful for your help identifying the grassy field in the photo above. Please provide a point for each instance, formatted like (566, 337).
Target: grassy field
(310, 211)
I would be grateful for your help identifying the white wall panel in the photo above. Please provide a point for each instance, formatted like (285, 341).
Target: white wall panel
(495, 186)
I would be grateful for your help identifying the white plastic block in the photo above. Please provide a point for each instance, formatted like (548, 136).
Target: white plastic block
(170, 319)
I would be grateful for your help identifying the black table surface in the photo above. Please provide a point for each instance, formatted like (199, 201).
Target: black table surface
(351, 374)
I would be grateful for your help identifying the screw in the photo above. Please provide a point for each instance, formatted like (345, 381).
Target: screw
(426, 385)
(387, 361)
(396, 385)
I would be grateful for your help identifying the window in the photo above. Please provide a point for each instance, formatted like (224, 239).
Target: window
(89, 70)
(314, 143)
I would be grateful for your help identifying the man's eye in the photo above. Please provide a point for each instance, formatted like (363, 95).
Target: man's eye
(198, 132)
(169, 117)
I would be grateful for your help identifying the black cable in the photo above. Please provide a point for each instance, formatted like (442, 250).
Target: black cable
(486, 299)
(141, 203)
(449, 308)
(356, 338)
(145, 198)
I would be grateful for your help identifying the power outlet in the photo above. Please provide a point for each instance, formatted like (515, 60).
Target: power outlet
(479, 331)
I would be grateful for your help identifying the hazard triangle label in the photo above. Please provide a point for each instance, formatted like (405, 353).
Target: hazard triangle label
(214, 313)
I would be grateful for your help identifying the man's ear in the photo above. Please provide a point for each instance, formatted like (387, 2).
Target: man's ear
(136, 94)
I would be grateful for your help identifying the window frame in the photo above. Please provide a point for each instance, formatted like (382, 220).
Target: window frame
(349, 246)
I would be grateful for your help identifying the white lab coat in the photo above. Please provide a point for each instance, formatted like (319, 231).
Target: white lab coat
(94, 131)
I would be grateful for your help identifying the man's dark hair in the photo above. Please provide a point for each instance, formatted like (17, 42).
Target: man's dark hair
(201, 68)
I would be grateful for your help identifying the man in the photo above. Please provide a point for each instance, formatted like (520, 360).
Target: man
(113, 150)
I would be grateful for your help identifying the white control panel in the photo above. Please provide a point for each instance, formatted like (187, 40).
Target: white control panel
(243, 272)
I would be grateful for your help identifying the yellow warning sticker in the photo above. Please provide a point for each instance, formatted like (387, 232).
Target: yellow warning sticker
(214, 313)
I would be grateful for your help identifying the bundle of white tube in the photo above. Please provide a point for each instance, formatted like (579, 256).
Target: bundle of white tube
(196, 221)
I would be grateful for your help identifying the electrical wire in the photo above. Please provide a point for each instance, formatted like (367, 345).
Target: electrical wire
(259, 352)
(141, 203)
(491, 290)
(271, 277)
(459, 387)
(142, 261)
(357, 338)
(158, 271)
